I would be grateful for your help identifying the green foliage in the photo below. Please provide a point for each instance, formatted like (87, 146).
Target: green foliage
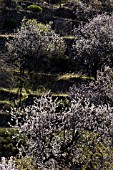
(41, 26)
(95, 154)
(25, 163)
(35, 8)
(8, 145)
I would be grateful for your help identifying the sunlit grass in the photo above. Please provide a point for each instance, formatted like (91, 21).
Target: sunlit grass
(60, 94)
(47, 82)
(14, 91)
(58, 5)
(68, 76)
(7, 35)
(6, 102)
(68, 37)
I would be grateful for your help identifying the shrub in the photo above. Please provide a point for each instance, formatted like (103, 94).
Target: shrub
(94, 43)
(77, 136)
(35, 8)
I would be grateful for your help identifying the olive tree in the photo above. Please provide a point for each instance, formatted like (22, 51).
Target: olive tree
(93, 46)
(79, 136)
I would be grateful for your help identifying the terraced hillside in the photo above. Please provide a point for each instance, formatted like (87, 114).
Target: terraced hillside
(63, 48)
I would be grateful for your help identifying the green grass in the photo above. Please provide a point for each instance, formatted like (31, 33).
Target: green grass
(10, 96)
(57, 84)
(6, 102)
(57, 6)
(7, 143)
(6, 35)
(68, 76)
(13, 90)
(69, 37)
(45, 81)
(38, 92)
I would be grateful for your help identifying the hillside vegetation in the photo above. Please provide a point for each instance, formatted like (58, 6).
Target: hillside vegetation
(56, 84)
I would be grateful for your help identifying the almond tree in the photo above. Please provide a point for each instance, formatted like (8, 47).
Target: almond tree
(93, 47)
(77, 136)
(30, 43)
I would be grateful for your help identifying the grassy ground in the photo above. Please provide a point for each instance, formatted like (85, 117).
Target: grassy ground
(57, 84)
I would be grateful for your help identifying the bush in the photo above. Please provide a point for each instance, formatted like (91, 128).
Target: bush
(35, 8)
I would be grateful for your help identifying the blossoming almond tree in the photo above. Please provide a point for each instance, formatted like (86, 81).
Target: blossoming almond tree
(93, 47)
(77, 136)
(30, 43)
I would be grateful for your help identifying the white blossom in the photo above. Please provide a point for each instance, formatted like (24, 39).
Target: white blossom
(6, 164)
